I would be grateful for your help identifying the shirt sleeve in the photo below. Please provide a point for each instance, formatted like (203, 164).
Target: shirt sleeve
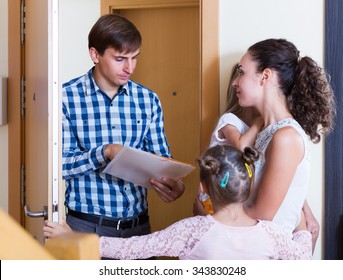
(174, 241)
(156, 141)
(76, 162)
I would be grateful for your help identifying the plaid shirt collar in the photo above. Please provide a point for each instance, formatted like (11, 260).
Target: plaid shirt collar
(93, 88)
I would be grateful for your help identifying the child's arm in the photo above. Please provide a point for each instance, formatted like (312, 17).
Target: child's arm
(52, 229)
(287, 248)
(240, 141)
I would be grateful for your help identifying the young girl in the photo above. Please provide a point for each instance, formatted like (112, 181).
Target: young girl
(238, 126)
(226, 174)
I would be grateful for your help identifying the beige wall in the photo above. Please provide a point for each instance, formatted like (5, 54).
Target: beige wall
(243, 23)
(3, 128)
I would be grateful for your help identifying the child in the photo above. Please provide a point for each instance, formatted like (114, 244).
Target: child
(226, 174)
(238, 126)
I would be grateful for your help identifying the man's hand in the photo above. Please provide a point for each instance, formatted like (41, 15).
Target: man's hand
(168, 189)
(111, 150)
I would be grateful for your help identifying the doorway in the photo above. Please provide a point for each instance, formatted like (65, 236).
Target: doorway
(206, 101)
(170, 65)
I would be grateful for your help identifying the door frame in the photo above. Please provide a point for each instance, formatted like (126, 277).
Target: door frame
(209, 84)
(16, 120)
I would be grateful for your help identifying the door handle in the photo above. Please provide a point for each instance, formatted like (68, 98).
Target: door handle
(42, 214)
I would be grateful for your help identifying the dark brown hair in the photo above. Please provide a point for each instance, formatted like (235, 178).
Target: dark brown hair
(114, 31)
(305, 84)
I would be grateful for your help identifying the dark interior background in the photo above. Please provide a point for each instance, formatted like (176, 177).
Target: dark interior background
(333, 224)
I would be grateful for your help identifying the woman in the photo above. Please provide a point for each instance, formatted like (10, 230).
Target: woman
(293, 96)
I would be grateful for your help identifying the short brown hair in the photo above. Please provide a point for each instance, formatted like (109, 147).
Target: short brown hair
(114, 31)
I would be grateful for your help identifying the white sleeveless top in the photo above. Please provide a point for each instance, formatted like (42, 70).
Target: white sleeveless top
(289, 214)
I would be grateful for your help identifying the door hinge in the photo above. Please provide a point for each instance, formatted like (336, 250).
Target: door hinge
(22, 22)
(22, 186)
(22, 96)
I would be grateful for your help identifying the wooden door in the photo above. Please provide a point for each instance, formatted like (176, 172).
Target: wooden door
(170, 64)
(40, 141)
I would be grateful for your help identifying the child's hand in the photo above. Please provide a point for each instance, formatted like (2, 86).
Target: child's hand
(198, 207)
(52, 229)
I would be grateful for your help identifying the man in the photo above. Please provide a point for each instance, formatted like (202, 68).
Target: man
(104, 110)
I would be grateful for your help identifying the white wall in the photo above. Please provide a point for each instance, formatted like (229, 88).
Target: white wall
(243, 23)
(73, 36)
(4, 128)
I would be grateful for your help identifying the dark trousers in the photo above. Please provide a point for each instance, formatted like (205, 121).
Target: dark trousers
(80, 225)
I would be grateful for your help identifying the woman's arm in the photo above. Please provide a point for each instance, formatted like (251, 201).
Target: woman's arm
(283, 155)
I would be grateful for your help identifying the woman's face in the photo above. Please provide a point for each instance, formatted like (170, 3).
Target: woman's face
(248, 83)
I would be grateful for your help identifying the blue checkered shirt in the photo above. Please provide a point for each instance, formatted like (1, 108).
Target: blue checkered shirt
(90, 120)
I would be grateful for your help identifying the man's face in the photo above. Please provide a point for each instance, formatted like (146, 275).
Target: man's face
(114, 67)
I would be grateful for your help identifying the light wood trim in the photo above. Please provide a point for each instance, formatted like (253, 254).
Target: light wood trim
(18, 244)
(209, 68)
(107, 6)
(14, 114)
(74, 246)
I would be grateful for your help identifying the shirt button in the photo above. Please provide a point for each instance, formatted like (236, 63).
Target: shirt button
(113, 127)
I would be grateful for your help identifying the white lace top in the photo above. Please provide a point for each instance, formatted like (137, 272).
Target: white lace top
(202, 237)
(225, 119)
(288, 216)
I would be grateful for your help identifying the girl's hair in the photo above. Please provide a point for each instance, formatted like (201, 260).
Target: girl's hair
(232, 105)
(305, 84)
(114, 31)
(227, 173)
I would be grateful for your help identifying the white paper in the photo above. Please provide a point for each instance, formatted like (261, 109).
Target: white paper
(139, 167)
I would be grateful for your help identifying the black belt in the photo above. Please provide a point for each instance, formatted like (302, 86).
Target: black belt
(119, 224)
